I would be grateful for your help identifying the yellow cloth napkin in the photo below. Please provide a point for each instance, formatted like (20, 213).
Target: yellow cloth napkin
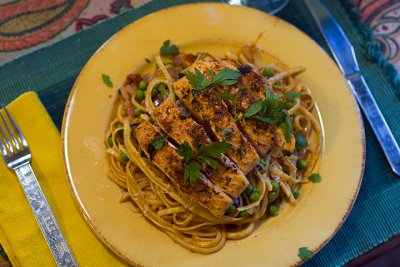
(20, 235)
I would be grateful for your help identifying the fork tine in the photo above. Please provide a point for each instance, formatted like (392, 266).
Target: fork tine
(8, 143)
(2, 146)
(14, 140)
(21, 137)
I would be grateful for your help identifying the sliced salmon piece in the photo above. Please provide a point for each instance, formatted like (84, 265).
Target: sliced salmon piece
(172, 165)
(213, 113)
(181, 128)
(251, 85)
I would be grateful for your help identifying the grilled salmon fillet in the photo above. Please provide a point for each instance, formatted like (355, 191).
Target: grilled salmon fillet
(181, 128)
(213, 113)
(172, 165)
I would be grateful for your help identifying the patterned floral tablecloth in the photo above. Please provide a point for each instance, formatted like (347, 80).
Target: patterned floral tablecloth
(31, 24)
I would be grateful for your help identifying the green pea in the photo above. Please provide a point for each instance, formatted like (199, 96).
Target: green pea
(273, 210)
(137, 112)
(244, 214)
(268, 72)
(272, 196)
(154, 92)
(139, 95)
(123, 156)
(301, 141)
(249, 190)
(255, 196)
(232, 209)
(143, 85)
(296, 193)
(302, 164)
(315, 178)
(275, 185)
(110, 141)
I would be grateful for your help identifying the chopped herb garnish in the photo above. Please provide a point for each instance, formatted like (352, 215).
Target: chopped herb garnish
(163, 90)
(225, 77)
(169, 49)
(210, 162)
(286, 128)
(271, 110)
(159, 142)
(315, 178)
(192, 172)
(107, 80)
(226, 95)
(198, 80)
(292, 95)
(305, 254)
(207, 154)
(254, 109)
(185, 151)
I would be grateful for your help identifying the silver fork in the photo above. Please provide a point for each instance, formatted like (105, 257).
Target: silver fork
(17, 156)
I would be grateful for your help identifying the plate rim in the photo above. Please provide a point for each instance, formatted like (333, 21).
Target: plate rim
(71, 185)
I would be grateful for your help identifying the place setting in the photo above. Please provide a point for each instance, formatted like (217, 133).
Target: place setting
(215, 133)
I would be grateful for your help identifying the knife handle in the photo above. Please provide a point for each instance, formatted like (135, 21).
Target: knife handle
(377, 121)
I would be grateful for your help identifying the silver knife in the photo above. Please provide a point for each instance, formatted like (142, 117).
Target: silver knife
(344, 55)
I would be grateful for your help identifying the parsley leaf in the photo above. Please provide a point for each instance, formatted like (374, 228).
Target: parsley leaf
(169, 49)
(210, 162)
(198, 80)
(192, 172)
(292, 95)
(225, 77)
(185, 151)
(226, 95)
(159, 142)
(305, 254)
(315, 178)
(207, 154)
(254, 108)
(265, 119)
(214, 150)
(107, 80)
(272, 110)
(286, 128)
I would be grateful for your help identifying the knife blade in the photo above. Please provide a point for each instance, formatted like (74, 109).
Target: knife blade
(344, 55)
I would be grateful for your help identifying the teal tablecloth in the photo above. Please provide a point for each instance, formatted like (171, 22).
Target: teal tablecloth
(375, 217)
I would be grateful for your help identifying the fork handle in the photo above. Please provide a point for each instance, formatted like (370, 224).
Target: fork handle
(44, 216)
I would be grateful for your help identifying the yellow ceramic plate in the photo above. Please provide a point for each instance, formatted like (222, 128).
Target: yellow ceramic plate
(322, 207)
